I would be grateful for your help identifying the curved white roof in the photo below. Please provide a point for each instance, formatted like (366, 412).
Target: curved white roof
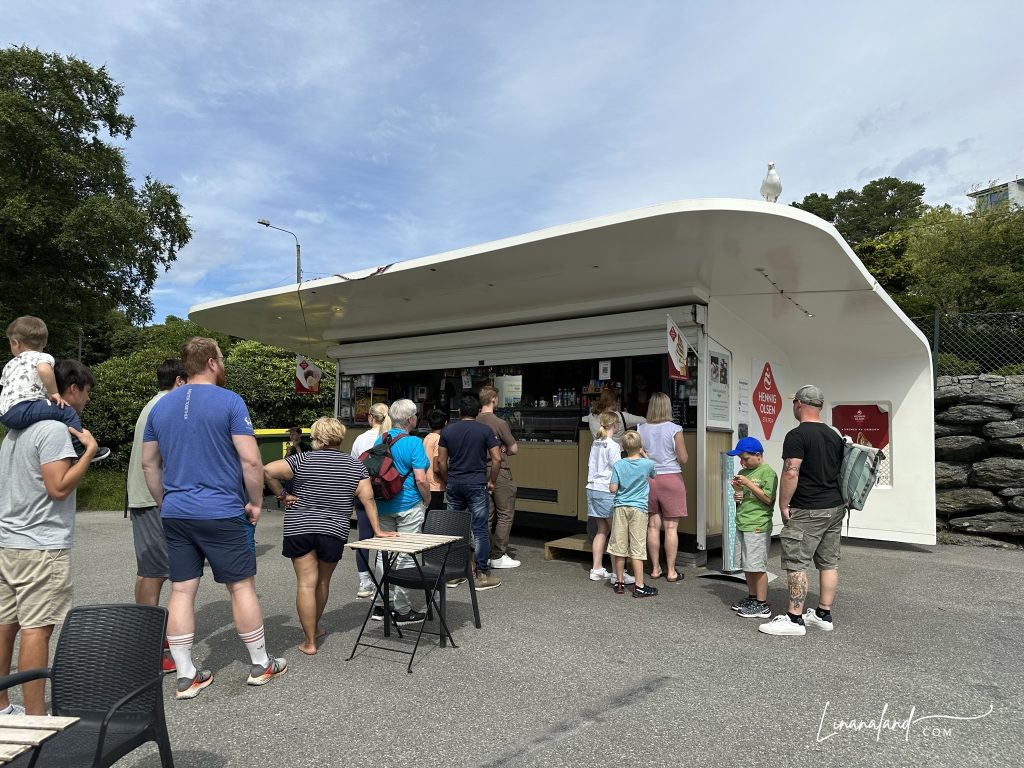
(769, 264)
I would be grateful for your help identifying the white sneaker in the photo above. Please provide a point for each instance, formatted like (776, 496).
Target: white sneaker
(13, 709)
(599, 574)
(626, 578)
(811, 620)
(366, 589)
(781, 625)
(505, 562)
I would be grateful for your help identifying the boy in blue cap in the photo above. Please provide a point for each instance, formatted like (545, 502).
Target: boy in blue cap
(754, 489)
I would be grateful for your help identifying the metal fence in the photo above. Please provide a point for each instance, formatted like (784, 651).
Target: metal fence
(972, 343)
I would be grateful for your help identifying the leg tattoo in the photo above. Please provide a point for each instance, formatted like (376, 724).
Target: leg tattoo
(797, 591)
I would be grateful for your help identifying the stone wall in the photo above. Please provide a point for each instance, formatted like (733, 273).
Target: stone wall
(979, 455)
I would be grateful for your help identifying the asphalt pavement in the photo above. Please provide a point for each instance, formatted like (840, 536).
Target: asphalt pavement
(566, 673)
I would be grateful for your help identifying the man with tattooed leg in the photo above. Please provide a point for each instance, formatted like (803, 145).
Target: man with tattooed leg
(812, 514)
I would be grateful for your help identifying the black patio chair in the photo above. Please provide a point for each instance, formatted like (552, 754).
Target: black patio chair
(107, 672)
(448, 522)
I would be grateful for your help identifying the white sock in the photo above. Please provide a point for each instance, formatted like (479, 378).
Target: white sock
(181, 652)
(256, 644)
(364, 578)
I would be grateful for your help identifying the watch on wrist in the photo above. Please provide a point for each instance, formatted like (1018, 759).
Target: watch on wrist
(282, 495)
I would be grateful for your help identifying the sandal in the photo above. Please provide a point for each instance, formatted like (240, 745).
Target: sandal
(670, 580)
(656, 575)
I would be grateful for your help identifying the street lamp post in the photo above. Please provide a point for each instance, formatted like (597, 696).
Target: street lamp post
(298, 248)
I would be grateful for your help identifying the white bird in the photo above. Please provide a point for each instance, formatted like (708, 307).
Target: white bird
(771, 187)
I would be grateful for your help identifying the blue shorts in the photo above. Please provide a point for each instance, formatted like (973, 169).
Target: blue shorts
(600, 503)
(226, 544)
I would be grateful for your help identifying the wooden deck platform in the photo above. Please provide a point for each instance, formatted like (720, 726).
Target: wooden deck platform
(580, 542)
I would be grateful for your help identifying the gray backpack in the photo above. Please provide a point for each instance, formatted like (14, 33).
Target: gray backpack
(858, 472)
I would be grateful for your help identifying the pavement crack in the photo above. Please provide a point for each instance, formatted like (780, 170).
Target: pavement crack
(563, 729)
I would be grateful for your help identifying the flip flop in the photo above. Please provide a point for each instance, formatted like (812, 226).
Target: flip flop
(659, 576)
(679, 577)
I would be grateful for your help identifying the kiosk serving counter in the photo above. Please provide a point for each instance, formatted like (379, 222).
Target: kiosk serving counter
(768, 297)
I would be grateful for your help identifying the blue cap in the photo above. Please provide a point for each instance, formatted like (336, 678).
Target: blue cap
(747, 445)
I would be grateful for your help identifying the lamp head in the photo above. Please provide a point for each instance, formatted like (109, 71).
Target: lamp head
(264, 222)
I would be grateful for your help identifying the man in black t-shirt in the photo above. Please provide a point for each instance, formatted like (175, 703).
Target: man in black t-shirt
(812, 514)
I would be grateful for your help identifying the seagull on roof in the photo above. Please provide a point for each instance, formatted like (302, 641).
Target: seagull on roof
(771, 187)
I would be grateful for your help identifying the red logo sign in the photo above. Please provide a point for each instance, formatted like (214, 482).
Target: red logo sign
(767, 401)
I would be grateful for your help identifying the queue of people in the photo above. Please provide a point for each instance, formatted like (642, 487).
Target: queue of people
(195, 493)
(635, 483)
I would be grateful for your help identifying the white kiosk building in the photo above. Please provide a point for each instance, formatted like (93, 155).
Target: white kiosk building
(768, 297)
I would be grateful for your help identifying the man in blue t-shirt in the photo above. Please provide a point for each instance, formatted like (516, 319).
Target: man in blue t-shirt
(405, 512)
(463, 453)
(204, 471)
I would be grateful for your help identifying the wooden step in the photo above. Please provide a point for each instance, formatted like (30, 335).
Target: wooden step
(577, 543)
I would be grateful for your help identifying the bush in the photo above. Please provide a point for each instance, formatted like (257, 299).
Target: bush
(1017, 369)
(951, 365)
(101, 489)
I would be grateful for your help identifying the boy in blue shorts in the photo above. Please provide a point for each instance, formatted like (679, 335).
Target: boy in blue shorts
(754, 488)
(630, 484)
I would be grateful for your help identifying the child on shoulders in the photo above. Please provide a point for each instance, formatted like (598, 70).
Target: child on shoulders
(29, 385)
(629, 483)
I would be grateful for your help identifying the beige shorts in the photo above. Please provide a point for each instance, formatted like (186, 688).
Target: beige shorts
(629, 533)
(35, 586)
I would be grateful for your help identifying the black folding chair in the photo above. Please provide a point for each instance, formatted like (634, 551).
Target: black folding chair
(107, 672)
(448, 522)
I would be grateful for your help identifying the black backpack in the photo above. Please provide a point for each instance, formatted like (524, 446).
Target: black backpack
(380, 466)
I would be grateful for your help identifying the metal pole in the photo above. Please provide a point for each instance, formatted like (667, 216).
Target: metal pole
(935, 346)
(298, 261)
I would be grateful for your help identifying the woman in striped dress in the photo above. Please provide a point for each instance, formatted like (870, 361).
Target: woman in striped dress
(317, 516)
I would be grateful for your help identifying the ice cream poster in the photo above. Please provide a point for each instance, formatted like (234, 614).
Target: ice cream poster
(307, 376)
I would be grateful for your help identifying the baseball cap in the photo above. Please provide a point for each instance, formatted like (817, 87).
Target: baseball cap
(810, 394)
(747, 445)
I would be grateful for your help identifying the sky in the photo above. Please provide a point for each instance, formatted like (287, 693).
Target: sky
(379, 131)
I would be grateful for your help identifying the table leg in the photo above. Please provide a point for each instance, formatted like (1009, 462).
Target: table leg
(380, 588)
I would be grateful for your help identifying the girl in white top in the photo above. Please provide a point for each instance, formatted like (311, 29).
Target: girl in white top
(380, 422)
(663, 442)
(600, 503)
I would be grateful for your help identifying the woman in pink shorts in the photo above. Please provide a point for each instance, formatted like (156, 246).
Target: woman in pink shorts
(663, 442)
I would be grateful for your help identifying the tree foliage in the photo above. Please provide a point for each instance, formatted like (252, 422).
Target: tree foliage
(882, 206)
(262, 375)
(970, 261)
(77, 237)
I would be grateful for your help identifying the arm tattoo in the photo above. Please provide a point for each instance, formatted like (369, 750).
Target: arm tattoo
(789, 466)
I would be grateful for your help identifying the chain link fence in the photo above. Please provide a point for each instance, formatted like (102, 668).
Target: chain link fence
(973, 343)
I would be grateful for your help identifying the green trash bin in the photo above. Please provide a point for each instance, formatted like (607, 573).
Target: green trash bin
(272, 443)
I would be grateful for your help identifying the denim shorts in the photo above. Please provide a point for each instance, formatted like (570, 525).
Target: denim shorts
(600, 503)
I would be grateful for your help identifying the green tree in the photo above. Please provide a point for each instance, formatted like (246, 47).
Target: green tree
(77, 237)
(882, 206)
(970, 261)
(262, 375)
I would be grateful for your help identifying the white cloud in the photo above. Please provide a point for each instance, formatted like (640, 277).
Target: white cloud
(388, 130)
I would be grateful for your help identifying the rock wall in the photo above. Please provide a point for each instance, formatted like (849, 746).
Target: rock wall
(979, 454)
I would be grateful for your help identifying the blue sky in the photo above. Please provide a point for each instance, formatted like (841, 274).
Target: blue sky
(379, 131)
